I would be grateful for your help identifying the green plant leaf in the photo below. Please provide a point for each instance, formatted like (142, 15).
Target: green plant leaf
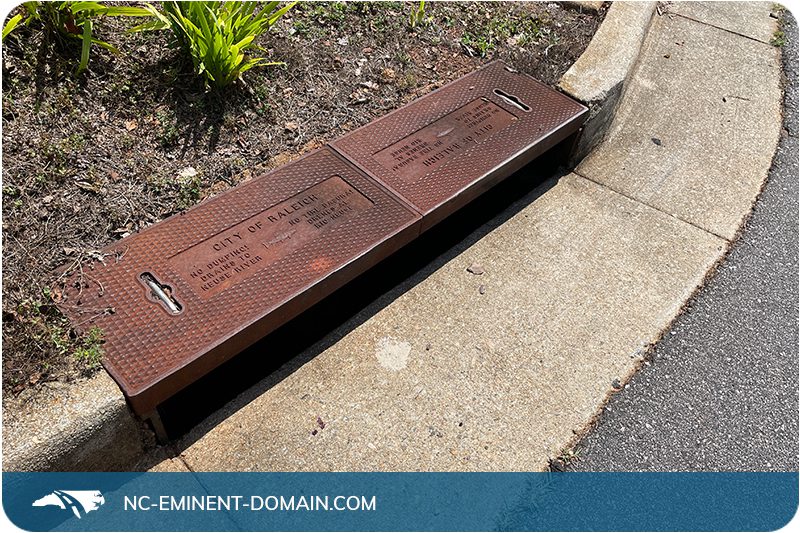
(161, 23)
(105, 45)
(260, 62)
(149, 26)
(126, 11)
(31, 7)
(85, 46)
(217, 35)
(96, 8)
(281, 12)
(77, 7)
(245, 43)
(11, 24)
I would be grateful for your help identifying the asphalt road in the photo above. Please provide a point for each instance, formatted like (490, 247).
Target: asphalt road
(721, 390)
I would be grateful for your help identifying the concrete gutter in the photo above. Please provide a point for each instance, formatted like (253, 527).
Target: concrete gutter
(598, 78)
(86, 425)
(502, 370)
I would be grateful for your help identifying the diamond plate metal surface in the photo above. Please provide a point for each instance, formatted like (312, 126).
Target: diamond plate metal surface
(151, 352)
(455, 177)
(179, 298)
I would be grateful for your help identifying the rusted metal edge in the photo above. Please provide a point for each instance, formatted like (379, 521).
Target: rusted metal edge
(369, 193)
(474, 132)
(199, 358)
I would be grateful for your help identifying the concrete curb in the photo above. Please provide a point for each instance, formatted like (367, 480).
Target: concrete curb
(72, 427)
(598, 77)
(498, 373)
(63, 427)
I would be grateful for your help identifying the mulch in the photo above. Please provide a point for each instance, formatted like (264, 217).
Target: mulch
(138, 137)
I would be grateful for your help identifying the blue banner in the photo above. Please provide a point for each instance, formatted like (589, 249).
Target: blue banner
(255, 501)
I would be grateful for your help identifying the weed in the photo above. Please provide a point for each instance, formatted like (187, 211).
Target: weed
(169, 133)
(218, 35)
(72, 21)
(59, 338)
(369, 8)
(75, 142)
(89, 351)
(565, 458)
(484, 39)
(329, 14)
(477, 43)
(778, 38)
(126, 142)
(402, 57)
(406, 81)
(47, 329)
(569, 456)
(417, 14)
(301, 28)
(189, 192)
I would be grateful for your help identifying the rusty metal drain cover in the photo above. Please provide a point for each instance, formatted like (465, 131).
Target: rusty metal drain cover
(444, 149)
(186, 294)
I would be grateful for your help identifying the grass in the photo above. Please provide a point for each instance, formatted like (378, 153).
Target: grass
(778, 38)
(189, 191)
(48, 330)
(520, 29)
(564, 459)
(315, 19)
(77, 176)
(89, 352)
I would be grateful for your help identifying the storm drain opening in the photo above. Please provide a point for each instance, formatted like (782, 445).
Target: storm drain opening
(161, 293)
(347, 206)
(512, 100)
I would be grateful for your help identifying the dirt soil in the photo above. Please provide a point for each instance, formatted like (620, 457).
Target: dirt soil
(137, 138)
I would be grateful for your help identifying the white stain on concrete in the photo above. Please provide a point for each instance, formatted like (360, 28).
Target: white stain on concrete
(393, 354)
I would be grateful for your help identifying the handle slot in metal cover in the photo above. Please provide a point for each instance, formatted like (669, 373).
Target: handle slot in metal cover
(161, 293)
(512, 100)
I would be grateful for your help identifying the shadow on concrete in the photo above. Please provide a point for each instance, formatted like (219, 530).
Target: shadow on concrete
(200, 407)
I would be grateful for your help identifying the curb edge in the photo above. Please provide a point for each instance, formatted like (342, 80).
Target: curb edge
(599, 77)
